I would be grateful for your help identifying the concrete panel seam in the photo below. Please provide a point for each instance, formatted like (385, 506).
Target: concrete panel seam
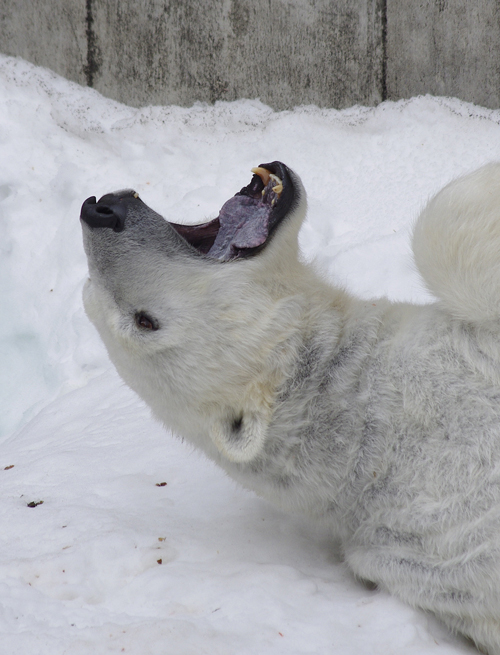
(93, 59)
(383, 20)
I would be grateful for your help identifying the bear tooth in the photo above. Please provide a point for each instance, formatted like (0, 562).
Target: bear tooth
(263, 173)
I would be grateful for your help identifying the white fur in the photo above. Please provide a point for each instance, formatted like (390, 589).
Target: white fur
(381, 419)
(462, 266)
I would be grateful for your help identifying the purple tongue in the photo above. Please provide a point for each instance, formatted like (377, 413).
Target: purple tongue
(244, 223)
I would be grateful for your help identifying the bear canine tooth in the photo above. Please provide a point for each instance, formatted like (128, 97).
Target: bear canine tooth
(263, 173)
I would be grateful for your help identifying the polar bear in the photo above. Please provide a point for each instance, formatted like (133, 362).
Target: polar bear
(380, 418)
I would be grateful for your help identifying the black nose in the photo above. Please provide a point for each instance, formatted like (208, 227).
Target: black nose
(110, 211)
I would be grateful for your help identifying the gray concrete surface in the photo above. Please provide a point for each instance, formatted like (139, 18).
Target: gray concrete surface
(332, 53)
(51, 33)
(444, 47)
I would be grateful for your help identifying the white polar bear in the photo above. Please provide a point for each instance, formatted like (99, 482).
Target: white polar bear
(381, 418)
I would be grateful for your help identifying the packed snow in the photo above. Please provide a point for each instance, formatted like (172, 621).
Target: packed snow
(115, 536)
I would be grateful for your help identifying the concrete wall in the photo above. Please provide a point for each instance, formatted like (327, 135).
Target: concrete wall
(444, 47)
(332, 53)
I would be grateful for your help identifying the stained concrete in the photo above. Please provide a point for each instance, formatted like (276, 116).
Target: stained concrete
(332, 53)
(51, 33)
(284, 52)
(444, 47)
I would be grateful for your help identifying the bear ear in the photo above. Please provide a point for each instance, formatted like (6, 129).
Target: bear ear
(240, 438)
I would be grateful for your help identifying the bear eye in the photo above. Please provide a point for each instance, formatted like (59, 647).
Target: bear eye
(142, 320)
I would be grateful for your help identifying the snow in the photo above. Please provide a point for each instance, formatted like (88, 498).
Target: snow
(81, 573)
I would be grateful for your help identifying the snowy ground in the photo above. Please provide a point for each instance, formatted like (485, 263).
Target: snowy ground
(112, 562)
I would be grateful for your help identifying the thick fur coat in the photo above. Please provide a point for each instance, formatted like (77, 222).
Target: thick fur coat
(380, 418)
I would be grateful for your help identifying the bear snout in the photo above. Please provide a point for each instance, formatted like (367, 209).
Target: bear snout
(110, 211)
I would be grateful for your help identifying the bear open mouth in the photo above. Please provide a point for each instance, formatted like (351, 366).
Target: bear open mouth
(246, 221)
